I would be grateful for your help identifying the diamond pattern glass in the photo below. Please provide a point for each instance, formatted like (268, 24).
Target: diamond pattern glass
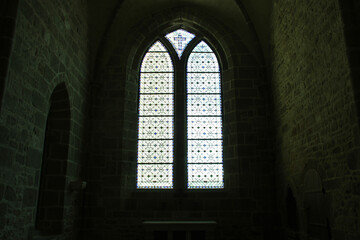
(157, 104)
(209, 105)
(157, 47)
(156, 109)
(203, 83)
(202, 47)
(160, 151)
(205, 176)
(203, 62)
(156, 83)
(200, 151)
(157, 62)
(204, 128)
(155, 176)
(204, 121)
(180, 39)
(155, 127)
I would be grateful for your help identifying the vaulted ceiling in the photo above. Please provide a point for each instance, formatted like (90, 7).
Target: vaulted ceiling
(249, 18)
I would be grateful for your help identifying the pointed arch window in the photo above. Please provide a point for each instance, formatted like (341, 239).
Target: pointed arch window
(180, 115)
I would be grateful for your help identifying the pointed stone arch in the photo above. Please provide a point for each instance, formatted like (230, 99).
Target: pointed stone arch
(50, 210)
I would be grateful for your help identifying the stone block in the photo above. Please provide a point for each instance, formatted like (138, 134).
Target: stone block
(27, 11)
(34, 158)
(7, 157)
(353, 160)
(3, 211)
(30, 196)
(248, 73)
(245, 205)
(2, 191)
(10, 194)
(243, 83)
(38, 100)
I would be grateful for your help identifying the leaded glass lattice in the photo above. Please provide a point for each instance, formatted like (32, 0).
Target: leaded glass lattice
(204, 121)
(160, 151)
(200, 151)
(202, 47)
(155, 176)
(204, 104)
(180, 39)
(156, 109)
(155, 127)
(156, 83)
(157, 104)
(156, 62)
(204, 127)
(155, 155)
(203, 62)
(203, 83)
(205, 176)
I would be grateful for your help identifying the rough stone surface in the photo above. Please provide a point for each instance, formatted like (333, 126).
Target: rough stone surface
(49, 47)
(315, 113)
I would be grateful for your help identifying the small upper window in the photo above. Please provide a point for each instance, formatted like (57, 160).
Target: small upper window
(179, 40)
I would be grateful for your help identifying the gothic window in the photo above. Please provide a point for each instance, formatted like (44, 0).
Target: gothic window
(180, 116)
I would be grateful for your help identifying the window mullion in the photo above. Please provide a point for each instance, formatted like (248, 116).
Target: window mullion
(180, 127)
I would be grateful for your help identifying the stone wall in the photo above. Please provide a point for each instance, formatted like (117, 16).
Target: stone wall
(50, 47)
(315, 114)
(8, 12)
(245, 208)
(350, 12)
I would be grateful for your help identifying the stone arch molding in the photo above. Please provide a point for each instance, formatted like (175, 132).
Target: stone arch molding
(60, 79)
(291, 188)
(51, 199)
(121, 71)
(141, 35)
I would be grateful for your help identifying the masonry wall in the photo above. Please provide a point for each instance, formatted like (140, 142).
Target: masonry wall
(315, 113)
(8, 11)
(245, 208)
(49, 48)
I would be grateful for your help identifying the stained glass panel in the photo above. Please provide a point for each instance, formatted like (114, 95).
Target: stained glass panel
(204, 128)
(159, 151)
(154, 176)
(204, 104)
(157, 47)
(155, 127)
(202, 47)
(180, 39)
(156, 83)
(157, 62)
(204, 122)
(203, 62)
(205, 176)
(156, 104)
(203, 83)
(200, 151)
(155, 143)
